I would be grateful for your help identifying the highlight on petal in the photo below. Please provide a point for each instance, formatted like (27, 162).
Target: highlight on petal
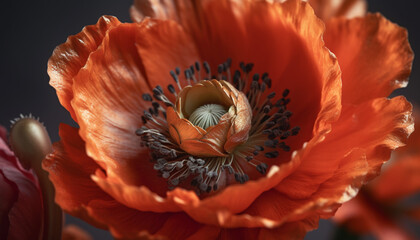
(68, 58)
(327, 9)
(373, 54)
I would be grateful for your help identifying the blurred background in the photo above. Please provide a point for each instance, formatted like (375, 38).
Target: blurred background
(32, 29)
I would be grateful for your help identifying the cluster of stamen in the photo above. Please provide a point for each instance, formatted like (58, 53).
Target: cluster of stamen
(270, 128)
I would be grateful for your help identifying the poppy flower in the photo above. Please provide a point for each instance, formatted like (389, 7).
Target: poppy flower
(222, 118)
(381, 207)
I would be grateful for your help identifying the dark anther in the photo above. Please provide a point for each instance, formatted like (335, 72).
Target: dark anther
(171, 88)
(147, 115)
(220, 68)
(156, 91)
(177, 70)
(174, 76)
(152, 111)
(288, 114)
(262, 168)
(271, 95)
(270, 143)
(267, 81)
(194, 182)
(197, 66)
(242, 66)
(165, 174)
(143, 119)
(256, 77)
(286, 92)
(206, 67)
(215, 187)
(249, 158)
(192, 70)
(248, 67)
(237, 177)
(272, 154)
(259, 148)
(295, 131)
(187, 73)
(255, 152)
(245, 178)
(264, 75)
(285, 135)
(147, 97)
(155, 105)
(266, 109)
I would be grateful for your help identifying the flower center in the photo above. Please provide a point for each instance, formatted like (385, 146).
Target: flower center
(207, 115)
(211, 157)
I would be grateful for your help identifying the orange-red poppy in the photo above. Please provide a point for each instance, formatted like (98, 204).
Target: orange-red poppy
(278, 151)
(381, 207)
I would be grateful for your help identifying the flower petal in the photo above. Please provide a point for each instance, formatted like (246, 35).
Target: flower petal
(108, 104)
(399, 180)
(21, 204)
(360, 215)
(68, 58)
(379, 126)
(70, 171)
(162, 54)
(373, 53)
(326, 9)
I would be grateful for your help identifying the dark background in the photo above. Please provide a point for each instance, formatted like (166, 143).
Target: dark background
(30, 31)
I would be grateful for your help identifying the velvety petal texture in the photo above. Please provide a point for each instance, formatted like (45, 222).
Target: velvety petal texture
(104, 173)
(373, 54)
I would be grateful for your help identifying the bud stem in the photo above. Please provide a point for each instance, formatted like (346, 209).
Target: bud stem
(30, 142)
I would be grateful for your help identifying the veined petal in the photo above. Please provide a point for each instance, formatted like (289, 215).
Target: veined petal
(68, 58)
(379, 126)
(373, 54)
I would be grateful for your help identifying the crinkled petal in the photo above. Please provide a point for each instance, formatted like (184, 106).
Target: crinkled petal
(109, 106)
(377, 126)
(373, 54)
(68, 58)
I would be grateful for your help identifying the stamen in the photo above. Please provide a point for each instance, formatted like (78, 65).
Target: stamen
(270, 128)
